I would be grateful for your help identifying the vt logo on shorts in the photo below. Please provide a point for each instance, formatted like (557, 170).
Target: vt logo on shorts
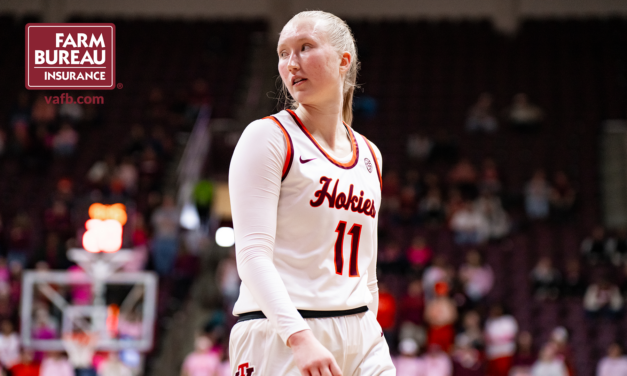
(244, 370)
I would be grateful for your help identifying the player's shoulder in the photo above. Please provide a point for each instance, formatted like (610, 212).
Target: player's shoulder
(270, 121)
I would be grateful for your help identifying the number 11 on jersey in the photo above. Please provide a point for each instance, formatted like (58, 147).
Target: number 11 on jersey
(355, 233)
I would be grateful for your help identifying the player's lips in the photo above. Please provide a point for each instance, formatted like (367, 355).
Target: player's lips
(298, 80)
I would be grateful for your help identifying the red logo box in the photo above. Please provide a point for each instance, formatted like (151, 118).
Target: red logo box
(66, 56)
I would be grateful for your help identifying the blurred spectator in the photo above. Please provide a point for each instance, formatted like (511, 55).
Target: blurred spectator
(498, 223)
(574, 284)
(419, 147)
(412, 313)
(386, 314)
(408, 363)
(525, 356)
(165, 221)
(522, 114)
(72, 112)
(559, 337)
(202, 362)
(562, 197)
(545, 280)
(27, 365)
(64, 142)
(454, 203)
(548, 363)
(463, 175)
(55, 364)
(431, 207)
(614, 364)
(81, 348)
(43, 112)
(616, 247)
(127, 174)
(20, 239)
(500, 334)
(437, 362)
(537, 196)
(603, 299)
(101, 171)
(113, 366)
(481, 115)
(9, 345)
(476, 276)
(490, 180)
(467, 360)
(469, 225)
(441, 314)
(434, 274)
(471, 330)
(419, 253)
(595, 247)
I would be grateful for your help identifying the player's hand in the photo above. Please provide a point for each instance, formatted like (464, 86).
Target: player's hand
(311, 358)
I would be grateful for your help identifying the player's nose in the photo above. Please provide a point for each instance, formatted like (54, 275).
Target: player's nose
(293, 64)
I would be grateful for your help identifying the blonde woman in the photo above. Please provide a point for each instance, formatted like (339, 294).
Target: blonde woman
(305, 192)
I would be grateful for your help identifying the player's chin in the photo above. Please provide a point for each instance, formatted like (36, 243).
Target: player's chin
(302, 96)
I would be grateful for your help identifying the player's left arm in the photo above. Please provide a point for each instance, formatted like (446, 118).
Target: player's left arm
(372, 268)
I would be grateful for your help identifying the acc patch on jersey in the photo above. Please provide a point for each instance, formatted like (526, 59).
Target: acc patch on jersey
(368, 164)
(245, 370)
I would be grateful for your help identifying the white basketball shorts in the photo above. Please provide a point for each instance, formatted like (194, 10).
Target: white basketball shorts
(356, 341)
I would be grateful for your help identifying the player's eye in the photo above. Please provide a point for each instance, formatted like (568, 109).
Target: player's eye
(305, 47)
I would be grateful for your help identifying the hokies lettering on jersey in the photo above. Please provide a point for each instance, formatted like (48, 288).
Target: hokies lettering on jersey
(341, 200)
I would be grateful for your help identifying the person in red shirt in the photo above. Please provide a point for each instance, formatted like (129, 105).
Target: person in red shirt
(27, 366)
(386, 315)
(441, 314)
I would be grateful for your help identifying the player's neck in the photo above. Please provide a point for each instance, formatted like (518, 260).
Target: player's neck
(326, 126)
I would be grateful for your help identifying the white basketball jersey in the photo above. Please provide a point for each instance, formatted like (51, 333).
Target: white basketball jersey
(326, 234)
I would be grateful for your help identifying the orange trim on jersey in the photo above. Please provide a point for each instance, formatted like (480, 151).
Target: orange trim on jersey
(289, 157)
(347, 165)
(376, 163)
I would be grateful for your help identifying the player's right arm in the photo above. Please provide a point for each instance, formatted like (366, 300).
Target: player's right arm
(254, 187)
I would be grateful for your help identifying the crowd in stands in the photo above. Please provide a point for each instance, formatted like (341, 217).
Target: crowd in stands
(40, 138)
(439, 319)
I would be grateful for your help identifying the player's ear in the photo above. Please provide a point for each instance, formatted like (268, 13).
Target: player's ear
(345, 62)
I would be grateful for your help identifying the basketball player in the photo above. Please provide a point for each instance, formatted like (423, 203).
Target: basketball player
(305, 192)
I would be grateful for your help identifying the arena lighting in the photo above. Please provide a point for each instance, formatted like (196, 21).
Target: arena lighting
(225, 237)
(102, 236)
(103, 212)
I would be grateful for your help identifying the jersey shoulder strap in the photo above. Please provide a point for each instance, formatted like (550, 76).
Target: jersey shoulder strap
(289, 157)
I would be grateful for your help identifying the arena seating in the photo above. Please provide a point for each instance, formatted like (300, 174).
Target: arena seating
(425, 75)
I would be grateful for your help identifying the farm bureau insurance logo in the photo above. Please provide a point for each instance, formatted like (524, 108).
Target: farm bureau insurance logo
(70, 56)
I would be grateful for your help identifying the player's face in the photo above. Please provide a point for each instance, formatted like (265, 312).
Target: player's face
(309, 66)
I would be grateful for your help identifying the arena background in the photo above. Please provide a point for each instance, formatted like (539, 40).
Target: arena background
(457, 170)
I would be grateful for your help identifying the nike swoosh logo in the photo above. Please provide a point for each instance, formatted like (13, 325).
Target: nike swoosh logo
(305, 160)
